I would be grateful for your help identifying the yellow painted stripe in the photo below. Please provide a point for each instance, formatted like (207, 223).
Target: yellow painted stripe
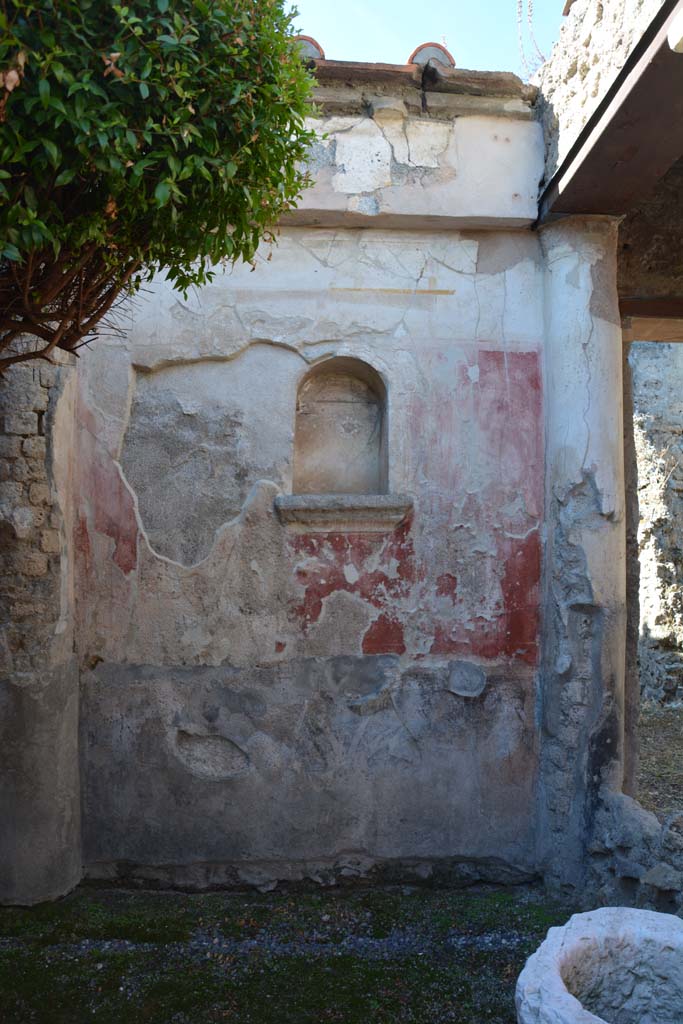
(399, 291)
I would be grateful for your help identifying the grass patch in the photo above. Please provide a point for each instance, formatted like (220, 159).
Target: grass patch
(414, 956)
(89, 915)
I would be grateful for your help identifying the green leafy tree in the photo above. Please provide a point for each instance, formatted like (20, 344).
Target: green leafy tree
(161, 134)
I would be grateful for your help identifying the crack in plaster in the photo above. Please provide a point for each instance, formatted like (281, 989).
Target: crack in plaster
(586, 409)
(226, 357)
(410, 305)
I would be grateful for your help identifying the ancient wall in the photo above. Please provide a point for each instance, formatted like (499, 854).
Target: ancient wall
(280, 686)
(40, 847)
(271, 699)
(597, 840)
(582, 685)
(658, 421)
(422, 676)
(595, 40)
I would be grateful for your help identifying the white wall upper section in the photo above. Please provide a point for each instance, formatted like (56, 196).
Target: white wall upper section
(389, 168)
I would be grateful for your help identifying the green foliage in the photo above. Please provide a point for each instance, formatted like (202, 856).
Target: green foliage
(154, 134)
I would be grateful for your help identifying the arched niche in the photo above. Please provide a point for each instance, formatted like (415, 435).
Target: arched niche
(340, 434)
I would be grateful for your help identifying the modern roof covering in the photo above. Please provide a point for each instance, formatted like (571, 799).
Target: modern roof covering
(634, 135)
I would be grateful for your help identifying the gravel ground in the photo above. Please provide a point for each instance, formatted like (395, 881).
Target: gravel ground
(660, 781)
(399, 955)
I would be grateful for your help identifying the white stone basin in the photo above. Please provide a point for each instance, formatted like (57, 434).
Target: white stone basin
(610, 966)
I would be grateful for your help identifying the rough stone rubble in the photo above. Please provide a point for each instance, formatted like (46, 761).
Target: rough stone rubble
(657, 374)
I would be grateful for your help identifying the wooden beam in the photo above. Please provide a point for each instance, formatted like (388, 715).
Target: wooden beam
(652, 328)
(634, 136)
(660, 307)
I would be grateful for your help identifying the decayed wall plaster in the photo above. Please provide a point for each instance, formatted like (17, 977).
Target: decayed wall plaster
(337, 681)
(235, 657)
(386, 167)
(264, 699)
(340, 441)
(584, 601)
(323, 702)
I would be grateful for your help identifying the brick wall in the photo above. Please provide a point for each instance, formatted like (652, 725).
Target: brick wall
(40, 794)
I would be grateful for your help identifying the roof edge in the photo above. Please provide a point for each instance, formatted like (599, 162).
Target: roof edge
(430, 78)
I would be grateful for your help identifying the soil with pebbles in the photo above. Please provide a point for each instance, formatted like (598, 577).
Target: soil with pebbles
(405, 955)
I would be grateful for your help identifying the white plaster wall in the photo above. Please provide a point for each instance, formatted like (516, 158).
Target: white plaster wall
(347, 678)
(584, 365)
(422, 309)
(299, 702)
(585, 596)
(389, 167)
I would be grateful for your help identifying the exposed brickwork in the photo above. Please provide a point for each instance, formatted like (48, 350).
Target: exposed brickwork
(31, 526)
(40, 852)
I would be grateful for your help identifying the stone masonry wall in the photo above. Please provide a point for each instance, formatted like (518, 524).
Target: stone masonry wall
(30, 523)
(39, 796)
(658, 424)
(595, 40)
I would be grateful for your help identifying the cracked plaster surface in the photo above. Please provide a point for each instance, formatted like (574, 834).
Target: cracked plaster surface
(399, 286)
(227, 632)
(585, 559)
(390, 164)
(328, 288)
(294, 757)
(298, 671)
(291, 672)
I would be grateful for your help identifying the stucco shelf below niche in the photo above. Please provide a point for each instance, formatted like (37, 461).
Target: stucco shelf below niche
(338, 512)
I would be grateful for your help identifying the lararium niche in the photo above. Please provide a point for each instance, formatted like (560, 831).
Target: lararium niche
(339, 440)
(341, 475)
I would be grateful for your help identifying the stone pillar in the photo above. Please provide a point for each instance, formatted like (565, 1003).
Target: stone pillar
(40, 852)
(582, 678)
(632, 680)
